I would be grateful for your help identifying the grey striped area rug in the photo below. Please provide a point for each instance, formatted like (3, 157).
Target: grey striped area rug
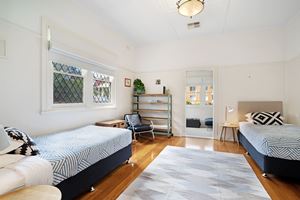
(187, 174)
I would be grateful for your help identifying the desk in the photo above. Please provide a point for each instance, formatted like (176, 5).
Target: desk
(112, 123)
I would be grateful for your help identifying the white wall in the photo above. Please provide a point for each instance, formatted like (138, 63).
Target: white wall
(292, 39)
(175, 82)
(247, 65)
(215, 50)
(253, 82)
(292, 94)
(20, 77)
(292, 70)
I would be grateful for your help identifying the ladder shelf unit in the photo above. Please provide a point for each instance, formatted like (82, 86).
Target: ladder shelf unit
(157, 108)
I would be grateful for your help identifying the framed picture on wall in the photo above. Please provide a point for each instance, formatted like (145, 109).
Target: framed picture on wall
(127, 82)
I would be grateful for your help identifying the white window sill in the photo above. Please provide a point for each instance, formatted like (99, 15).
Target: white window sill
(76, 109)
(197, 105)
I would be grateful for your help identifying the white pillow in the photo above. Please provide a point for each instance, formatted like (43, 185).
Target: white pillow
(7, 143)
(8, 159)
(248, 115)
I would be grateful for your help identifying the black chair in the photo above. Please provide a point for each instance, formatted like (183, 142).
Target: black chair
(134, 123)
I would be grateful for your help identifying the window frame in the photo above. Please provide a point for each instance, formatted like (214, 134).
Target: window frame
(88, 66)
(113, 91)
(83, 76)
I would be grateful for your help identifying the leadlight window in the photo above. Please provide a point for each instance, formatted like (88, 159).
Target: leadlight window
(68, 84)
(102, 88)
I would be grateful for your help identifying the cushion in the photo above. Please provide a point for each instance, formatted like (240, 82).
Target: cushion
(141, 128)
(248, 116)
(267, 118)
(193, 123)
(134, 119)
(6, 143)
(8, 159)
(29, 148)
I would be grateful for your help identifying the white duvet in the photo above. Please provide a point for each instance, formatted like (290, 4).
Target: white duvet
(26, 171)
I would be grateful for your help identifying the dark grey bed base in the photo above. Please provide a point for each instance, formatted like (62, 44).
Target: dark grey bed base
(82, 182)
(270, 165)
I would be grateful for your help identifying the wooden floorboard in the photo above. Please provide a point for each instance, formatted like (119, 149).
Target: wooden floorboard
(145, 151)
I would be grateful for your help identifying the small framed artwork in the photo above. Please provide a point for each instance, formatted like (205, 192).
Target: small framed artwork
(157, 82)
(127, 82)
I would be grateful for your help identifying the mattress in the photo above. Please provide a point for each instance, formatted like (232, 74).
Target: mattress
(70, 152)
(273, 141)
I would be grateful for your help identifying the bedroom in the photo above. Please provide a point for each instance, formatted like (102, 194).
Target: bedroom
(253, 49)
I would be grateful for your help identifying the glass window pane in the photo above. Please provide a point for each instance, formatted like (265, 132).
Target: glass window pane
(59, 67)
(102, 88)
(67, 89)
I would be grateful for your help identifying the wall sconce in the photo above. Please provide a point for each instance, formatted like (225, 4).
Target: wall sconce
(49, 38)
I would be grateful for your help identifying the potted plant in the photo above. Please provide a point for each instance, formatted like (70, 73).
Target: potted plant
(139, 87)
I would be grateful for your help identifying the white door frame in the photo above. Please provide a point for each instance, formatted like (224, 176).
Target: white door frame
(216, 103)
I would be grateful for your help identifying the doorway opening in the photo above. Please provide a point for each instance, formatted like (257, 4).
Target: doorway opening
(199, 104)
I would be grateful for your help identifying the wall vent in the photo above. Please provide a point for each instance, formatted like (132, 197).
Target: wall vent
(193, 25)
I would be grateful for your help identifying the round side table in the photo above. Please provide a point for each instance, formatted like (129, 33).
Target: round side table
(233, 127)
(40, 192)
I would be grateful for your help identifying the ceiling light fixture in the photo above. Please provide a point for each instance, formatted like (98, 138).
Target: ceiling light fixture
(190, 8)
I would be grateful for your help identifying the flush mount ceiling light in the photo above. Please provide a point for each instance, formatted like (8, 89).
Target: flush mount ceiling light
(190, 8)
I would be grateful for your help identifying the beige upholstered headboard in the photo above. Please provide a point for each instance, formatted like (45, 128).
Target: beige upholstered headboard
(245, 107)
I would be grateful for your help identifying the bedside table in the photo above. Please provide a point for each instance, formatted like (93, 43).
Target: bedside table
(112, 123)
(41, 192)
(234, 127)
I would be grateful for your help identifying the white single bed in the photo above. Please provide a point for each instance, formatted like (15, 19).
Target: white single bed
(64, 155)
(273, 141)
(275, 148)
(70, 152)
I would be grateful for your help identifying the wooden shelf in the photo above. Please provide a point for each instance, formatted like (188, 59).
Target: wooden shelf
(154, 103)
(155, 118)
(161, 110)
(161, 127)
(160, 130)
(150, 110)
(151, 95)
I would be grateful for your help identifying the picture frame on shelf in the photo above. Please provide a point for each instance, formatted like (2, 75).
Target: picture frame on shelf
(127, 82)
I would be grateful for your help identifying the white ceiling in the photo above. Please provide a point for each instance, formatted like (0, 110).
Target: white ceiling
(151, 21)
